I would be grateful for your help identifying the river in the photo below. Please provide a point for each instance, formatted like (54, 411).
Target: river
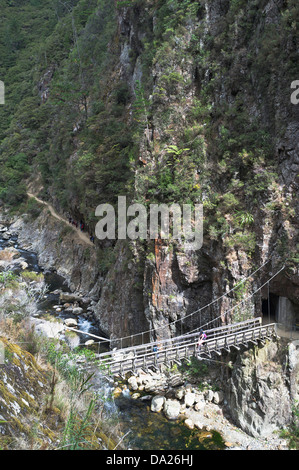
(144, 430)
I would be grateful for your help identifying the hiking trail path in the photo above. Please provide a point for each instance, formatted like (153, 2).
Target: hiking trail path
(81, 235)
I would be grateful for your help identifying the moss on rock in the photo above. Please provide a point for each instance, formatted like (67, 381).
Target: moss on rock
(23, 394)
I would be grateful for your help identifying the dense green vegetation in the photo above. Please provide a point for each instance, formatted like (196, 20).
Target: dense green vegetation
(76, 123)
(292, 432)
(39, 133)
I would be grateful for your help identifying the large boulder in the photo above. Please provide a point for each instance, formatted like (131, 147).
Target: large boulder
(132, 381)
(157, 403)
(66, 297)
(189, 399)
(172, 409)
(71, 322)
(77, 311)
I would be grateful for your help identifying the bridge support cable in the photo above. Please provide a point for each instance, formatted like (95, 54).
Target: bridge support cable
(139, 338)
(238, 305)
(222, 339)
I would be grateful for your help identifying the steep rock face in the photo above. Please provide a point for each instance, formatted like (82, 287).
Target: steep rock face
(59, 248)
(120, 307)
(262, 387)
(173, 284)
(24, 388)
(242, 93)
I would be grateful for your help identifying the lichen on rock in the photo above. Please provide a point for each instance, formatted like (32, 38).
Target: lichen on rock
(23, 392)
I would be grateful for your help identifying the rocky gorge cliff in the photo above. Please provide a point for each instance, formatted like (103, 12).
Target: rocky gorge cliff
(178, 101)
(263, 388)
(162, 101)
(216, 96)
(202, 91)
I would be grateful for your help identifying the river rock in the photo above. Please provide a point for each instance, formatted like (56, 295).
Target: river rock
(157, 403)
(199, 406)
(69, 298)
(172, 409)
(77, 311)
(209, 395)
(176, 380)
(198, 424)
(84, 301)
(6, 235)
(179, 393)
(189, 423)
(71, 322)
(189, 399)
(199, 397)
(218, 397)
(146, 398)
(68, 309)
(132, 381)
(151, 386)
(18, 265)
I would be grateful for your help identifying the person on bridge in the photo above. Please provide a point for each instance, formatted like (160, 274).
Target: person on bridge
(156, 350)
(201, 339)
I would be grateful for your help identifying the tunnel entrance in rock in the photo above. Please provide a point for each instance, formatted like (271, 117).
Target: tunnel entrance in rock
(270, 307)
(281, 310)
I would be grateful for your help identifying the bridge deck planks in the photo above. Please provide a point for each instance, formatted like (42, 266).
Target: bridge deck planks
(176, 349)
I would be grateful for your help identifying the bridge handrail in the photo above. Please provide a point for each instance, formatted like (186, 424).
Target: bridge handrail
(255, 334)
(246, 324)
(258, 330)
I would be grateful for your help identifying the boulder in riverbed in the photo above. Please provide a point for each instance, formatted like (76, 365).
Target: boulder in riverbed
(157, 403)
(69, 298)
(133, 383)
(71, 322)
(172, 409)
(77, 311)
(189, 423)
(189, 399)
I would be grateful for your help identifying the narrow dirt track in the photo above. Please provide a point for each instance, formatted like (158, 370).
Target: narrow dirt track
(80, 234)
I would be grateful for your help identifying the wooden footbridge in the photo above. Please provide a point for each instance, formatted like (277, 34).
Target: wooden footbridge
(166, 353)
(139, 352)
